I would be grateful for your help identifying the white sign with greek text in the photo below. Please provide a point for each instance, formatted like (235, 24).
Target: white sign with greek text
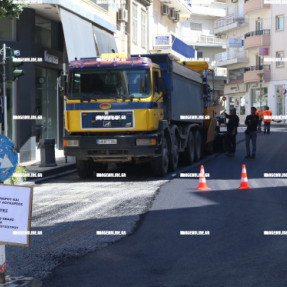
(15, 214)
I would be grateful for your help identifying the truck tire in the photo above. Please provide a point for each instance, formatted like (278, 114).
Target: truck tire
(85, 168)
(174, 154)
(189, 150)
(198, 146)
(159, 165)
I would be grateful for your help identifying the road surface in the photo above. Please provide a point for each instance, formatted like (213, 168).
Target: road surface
(235, 253)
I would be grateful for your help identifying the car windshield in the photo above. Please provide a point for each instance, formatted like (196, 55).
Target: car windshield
(102, 84)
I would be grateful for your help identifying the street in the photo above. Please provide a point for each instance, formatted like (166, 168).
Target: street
(236, 253)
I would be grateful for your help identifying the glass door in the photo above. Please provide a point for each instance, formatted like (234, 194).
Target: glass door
(46, 104)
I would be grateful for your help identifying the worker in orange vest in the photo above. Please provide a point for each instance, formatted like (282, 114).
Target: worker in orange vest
(259, 114)
(267, 120)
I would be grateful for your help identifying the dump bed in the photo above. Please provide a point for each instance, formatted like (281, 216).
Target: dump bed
(184, 88)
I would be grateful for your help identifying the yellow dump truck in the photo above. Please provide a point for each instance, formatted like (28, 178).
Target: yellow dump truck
(138, 108)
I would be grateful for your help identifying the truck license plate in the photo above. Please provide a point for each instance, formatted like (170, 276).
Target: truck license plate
(113, 141)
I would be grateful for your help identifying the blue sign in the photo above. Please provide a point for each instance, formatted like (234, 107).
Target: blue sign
(8, 158)
(161, 41)
(234, 43)
(283, 91)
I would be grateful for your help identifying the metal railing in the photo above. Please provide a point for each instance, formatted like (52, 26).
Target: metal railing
(256, 33)
(231, 54)
(257, 68)
(230, 19)
(210, 39)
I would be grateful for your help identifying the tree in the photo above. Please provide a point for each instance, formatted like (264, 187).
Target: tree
(10, 8)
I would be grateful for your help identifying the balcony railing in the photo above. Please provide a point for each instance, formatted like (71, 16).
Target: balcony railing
(253, 5)
(257, 68)
(256, 33)
(231, 54)
(210, 39)
(251, 73)
(228, 20)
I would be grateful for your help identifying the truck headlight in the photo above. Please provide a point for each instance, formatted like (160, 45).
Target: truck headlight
(71, 143)
(145, 141)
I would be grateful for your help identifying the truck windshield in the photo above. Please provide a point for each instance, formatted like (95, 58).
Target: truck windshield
(104, 84)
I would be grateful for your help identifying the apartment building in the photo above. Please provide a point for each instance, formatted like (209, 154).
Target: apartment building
(56, 32)
(164, 36)
(234, 26)
(198, 32)
(255, 54)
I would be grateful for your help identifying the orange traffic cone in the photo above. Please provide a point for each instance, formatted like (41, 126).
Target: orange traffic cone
(202, 181)
(244, 180)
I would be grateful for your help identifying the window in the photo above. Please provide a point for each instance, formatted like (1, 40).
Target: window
(43, 33)
(199, 54)
(135, 24)
(155, 82)
(279, 23)
(143, 29)
(7, 29)
(258, 100)
(196, 26)
(279, 59)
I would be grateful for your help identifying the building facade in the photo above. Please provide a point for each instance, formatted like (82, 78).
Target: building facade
(50, 35)
(255, 56)
(198, 32)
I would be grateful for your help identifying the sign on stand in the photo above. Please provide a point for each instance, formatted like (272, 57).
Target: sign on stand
(15, 214)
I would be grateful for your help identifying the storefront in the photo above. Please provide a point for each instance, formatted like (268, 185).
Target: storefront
(236, 98)
(50, 36)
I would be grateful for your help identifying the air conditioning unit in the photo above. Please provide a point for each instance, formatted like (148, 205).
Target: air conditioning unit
(123, 15)
(176, 17)
(164, 9)
(172, 14)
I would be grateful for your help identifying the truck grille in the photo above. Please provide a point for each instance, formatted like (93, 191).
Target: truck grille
(107, 120)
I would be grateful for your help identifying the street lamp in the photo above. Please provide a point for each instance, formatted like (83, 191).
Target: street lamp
(261, 80)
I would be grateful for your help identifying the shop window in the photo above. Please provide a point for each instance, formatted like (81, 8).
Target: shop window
(7, 29)
(47, 33)
(256, 99)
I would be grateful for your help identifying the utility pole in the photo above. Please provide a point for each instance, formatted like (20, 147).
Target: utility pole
(260, 97)
(4, 87)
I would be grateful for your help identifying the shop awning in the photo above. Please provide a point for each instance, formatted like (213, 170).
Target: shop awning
(182, 48)
(79, 36)
(105, 41)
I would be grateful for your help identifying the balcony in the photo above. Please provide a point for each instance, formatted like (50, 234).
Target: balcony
(258, 38)
(231, 57)
(253, 5)
(251, 73)
(228, 23)
(210, 40)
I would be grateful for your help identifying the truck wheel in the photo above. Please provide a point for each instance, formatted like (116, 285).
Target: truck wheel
(159, 165)
(189, 150)
(197, 147)
(85, 168)
(174, 154)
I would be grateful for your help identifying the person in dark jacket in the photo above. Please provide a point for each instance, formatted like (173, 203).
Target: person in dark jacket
(233, 121)
(251, 132)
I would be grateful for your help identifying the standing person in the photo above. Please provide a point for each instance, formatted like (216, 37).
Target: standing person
(259, 114)
(233, 121)
(251, 132)
(267, 121)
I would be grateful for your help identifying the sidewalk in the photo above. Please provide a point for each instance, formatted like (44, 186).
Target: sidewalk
(39, 174)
